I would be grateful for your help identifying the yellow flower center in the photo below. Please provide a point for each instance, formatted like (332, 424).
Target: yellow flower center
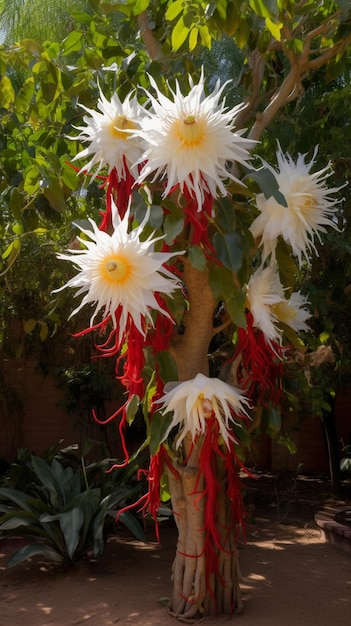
(309, 203)
(303, 203)
(189, 131)
(283, 312)
(115, 269)
(119, 125)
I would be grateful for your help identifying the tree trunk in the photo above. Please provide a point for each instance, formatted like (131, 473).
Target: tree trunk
(204, 582)
(205, 573)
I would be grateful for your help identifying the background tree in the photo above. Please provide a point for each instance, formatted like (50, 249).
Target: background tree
(283, 52)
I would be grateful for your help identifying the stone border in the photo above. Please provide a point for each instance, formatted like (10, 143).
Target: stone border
(336, 533)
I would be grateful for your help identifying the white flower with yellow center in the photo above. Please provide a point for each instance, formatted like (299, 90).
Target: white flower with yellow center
(109, 134)
(190, 140)
(268, 305)
(196, 400)
(309, 209)
(120, 270)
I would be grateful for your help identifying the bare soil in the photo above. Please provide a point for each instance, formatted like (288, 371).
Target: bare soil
(291, 575)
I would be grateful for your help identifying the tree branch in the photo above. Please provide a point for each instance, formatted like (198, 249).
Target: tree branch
(148, 36)
(300, 65)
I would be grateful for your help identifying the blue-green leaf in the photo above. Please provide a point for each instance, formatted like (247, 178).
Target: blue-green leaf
(71, 522)
(197, 258)
(35, 549)
(133, 525)
(158, 426)
(229, 250)
(267, 183)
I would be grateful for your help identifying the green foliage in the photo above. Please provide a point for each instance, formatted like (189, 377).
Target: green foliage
(345, 463)
(62, 508)
(254, 44)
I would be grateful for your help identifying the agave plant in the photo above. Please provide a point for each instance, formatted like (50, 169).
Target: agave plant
(60, 514)
(345, 463)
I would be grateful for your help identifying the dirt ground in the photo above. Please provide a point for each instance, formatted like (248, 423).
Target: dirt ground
(291, 575)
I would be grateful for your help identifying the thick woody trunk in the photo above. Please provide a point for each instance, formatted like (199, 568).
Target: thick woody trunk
(199, 587)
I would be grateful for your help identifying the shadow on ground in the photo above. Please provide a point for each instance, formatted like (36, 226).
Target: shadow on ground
(291, 575)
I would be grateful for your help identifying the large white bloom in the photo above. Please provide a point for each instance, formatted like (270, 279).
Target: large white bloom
(109, 134)
(190, 139)
(195, 400)
(120, 270)
(268, 305)
(309, 209)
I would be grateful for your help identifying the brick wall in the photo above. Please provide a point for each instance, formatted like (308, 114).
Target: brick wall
(30, 416)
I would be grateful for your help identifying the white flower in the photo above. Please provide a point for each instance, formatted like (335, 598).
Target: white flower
(195, 400)
(268, 305)
(109, 135)
(291, 312)
(309, 209)
(120, 270)
(190, 139)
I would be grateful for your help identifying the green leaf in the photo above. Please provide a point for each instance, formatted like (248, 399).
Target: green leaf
(31, 177)
(15, 203)
(11, 253)
(206, 38)
(32, 46)
(179, 34)
(52, 479)
(71, 522)
(158, 426)
(72, 43)
(225, 213)
(267, 183)
(345, 465)
(273, 420)
(14, 520)
(235, 306)
(29, 325)
(44, 330)
(274, 28)
(8, 251)
(289, 443)
(221, 281)
(197, 258)
(264, 8)
(7, 93)
(40, 231)
(93, 510)
(167, 366)
(173, 226)
(133, 525)
(69, 176)
(17, 229)
(53, 193)
(193, 37)
(98, 533)
(24, 96)
(156, 216)
(173, 10)
(132, 408)
(229, 249)
(140, 6)
(242, 32)
(35, 549)
(17, 497)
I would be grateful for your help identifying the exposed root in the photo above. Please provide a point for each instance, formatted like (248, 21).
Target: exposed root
(198, 592)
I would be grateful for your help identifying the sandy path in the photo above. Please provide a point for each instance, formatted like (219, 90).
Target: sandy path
(291, 577)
